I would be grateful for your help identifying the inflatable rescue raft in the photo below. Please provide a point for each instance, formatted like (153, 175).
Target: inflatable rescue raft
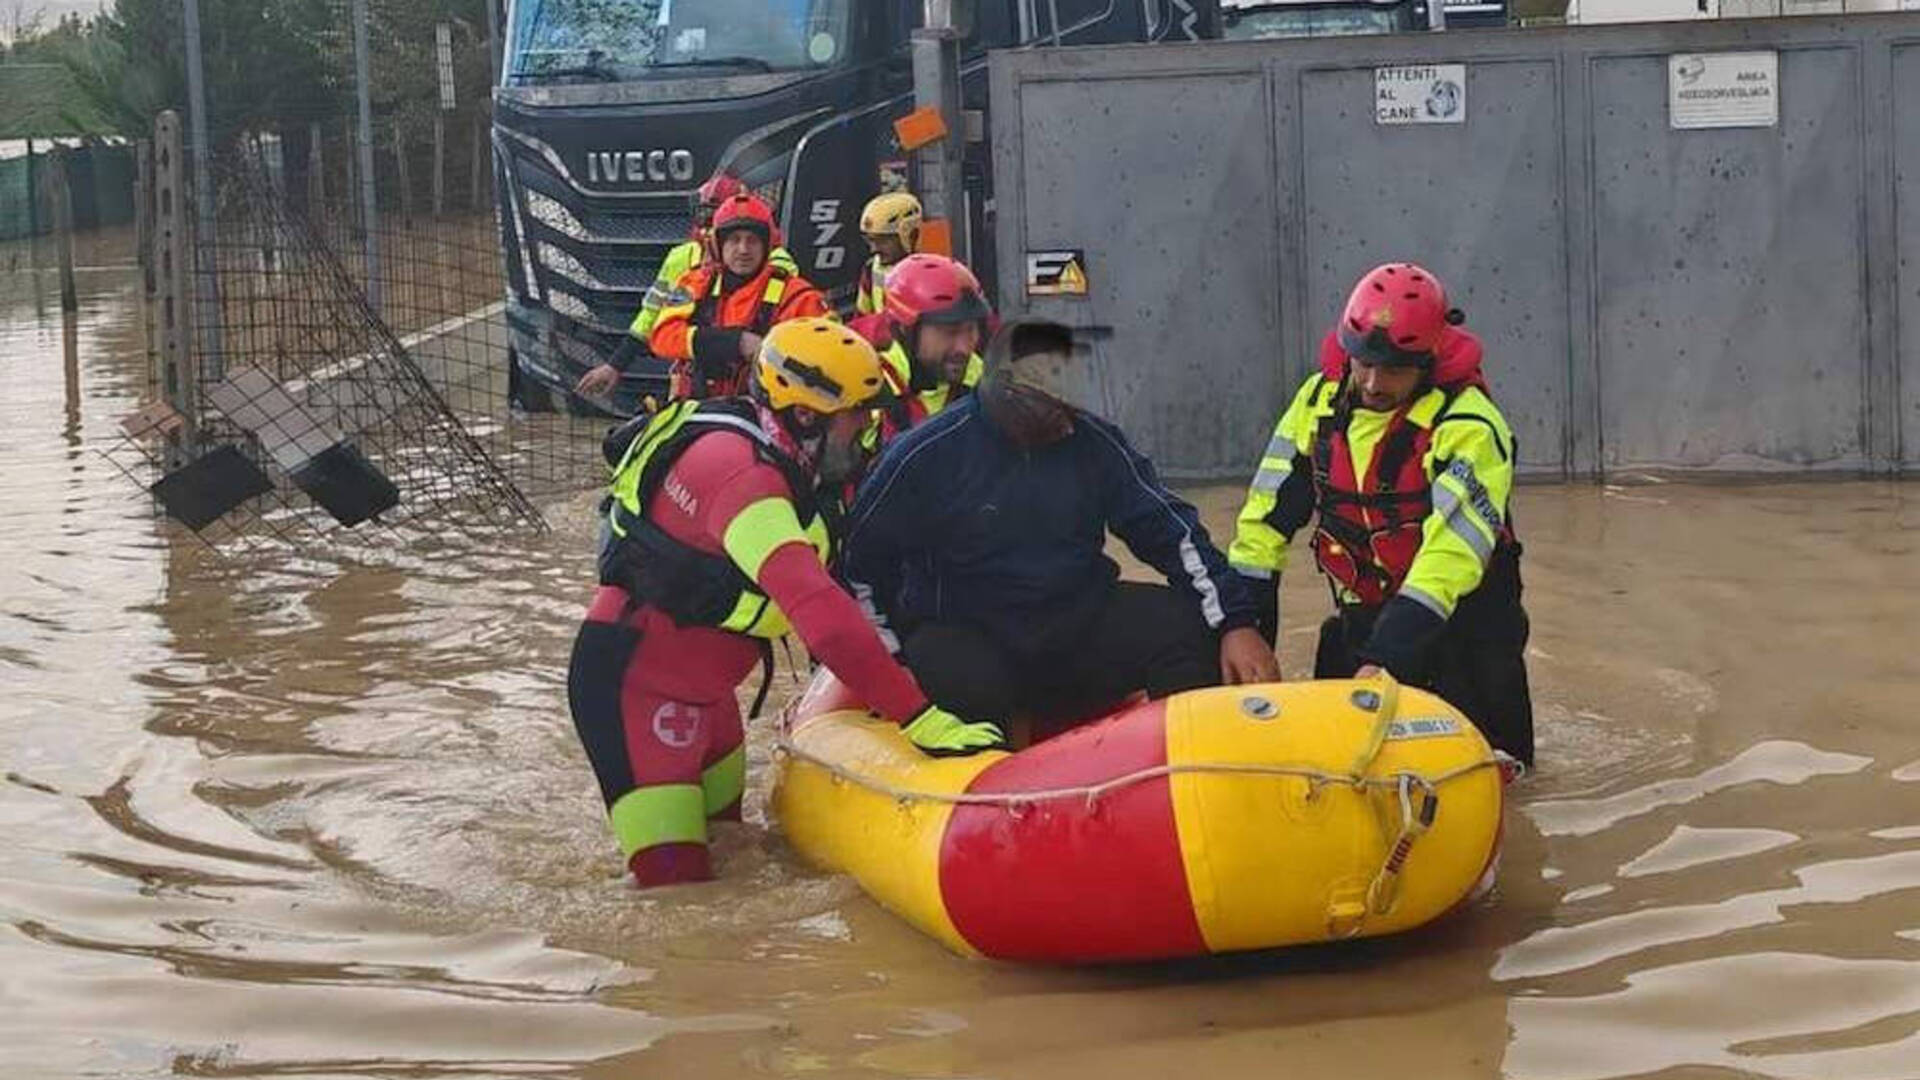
(1212, 821)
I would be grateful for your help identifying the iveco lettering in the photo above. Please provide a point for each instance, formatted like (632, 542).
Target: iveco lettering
(640, 166)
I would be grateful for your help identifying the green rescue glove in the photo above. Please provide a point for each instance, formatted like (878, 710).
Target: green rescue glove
(939, 733)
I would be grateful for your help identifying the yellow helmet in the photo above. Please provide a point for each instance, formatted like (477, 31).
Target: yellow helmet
(819, 363)
(893, 213)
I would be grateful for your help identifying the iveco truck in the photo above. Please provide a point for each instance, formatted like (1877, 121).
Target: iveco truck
(610, 113)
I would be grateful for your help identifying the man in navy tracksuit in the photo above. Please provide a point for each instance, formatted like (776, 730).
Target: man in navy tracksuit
(977, 541)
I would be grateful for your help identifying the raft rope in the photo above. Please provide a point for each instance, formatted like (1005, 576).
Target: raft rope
(1343, 920)
(1021, 800)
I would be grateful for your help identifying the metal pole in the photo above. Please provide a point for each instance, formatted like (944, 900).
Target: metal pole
(936, 83)
(316, 173)
(400, 167)
(477, 193)
(370, 217)
(493, 43)
(33, 200)
(208, 285)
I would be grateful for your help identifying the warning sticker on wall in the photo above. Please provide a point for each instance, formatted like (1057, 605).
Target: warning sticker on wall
(1432, 94)
(1722, 90)
(1057, 273)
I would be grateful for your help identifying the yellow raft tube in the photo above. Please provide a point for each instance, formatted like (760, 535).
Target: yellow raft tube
(1214, 821)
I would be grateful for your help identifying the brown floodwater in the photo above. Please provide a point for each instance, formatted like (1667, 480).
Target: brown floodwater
(326, 817)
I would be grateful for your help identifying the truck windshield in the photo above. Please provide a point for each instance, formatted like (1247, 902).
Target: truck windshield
(1300, 20)
(620, 40)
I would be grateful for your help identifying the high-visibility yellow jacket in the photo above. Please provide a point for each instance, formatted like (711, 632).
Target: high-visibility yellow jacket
(1425, 530)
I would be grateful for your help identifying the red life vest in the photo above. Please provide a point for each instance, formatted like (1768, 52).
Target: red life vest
(1369, 528)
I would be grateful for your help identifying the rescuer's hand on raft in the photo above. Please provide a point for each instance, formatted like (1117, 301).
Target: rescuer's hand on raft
(1368, 671)
(597, 381)
(1245, 657)
(939, 733)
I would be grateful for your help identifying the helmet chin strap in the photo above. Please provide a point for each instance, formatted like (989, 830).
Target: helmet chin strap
(805, 447)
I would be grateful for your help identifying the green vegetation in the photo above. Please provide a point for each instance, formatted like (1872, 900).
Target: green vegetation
(270, 65)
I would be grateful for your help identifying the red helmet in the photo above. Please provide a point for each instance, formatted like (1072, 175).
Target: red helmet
(1396, 317)
(744, 210)
(932, 288)
(719, 188)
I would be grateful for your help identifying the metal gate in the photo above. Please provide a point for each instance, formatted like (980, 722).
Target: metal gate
(1728, 299)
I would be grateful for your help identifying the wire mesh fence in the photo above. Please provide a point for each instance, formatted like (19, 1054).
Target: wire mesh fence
(350, 370)
(431, 272)
(310, 413)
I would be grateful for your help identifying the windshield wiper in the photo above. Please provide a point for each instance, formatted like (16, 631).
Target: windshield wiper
(595, 68)
(753, 62)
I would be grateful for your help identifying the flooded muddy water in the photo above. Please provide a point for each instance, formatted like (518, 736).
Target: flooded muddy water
(326, 816)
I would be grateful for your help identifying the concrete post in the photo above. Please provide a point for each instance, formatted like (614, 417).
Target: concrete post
(173, 268)
(143, 244)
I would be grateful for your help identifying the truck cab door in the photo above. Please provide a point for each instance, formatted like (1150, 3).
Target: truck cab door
(1181, 20)
(1104, 22)
(1076, 22)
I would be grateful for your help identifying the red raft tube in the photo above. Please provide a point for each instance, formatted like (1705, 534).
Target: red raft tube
(1213, 821)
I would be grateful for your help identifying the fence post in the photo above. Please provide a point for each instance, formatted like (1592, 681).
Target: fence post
(316, 174)
(439, 164)
(400, 166)
(369, 214)
(173, 264)
(207, 279)
(59, 195)
(143, 248)
(33, 199)
(350, 152)
(479, 162)
(493, 44)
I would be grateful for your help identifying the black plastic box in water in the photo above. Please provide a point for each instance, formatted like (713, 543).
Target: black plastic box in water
(346, 484)
(201, 492)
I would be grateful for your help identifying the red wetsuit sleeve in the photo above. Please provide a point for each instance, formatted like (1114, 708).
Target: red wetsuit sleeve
(719, 477)
(837, 633)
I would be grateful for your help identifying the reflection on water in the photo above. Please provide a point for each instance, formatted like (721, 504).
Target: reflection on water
(323, 814)
(1818, 1017)
(1571, 948)
(1689, 847)
(1773, 762)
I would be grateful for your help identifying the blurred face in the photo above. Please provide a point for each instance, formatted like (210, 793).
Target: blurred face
(742, 252)
(833, 440)
(1026, 416)
(889, 248)
(1382, 388)
(945, 348)
(703, 215)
